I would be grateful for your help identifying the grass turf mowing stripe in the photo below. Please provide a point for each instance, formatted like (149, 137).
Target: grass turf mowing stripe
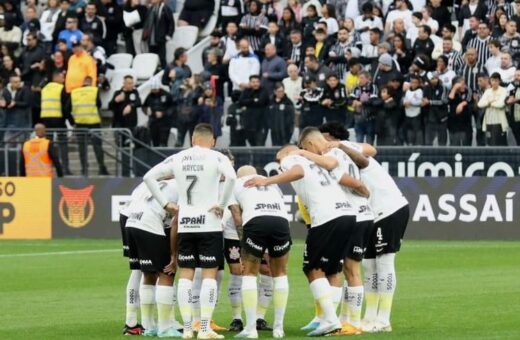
(74, 252)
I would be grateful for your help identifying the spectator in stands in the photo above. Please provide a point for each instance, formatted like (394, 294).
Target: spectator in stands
(84, 105)
(459, 113)
(293, 49)
(423, 44)
(288, 22)
(440, 12)
(309, 24)
(17, 98)
(39, 156)
(242, 66)
(124, 105)
(133, 31)
(483, 85)
(427, 19)
(388, 117)
(253, 26)
(385, 71)
(369, 52)
(230, 42)
(56, 63)
(401, 53)
(229, 11)
(10, 34)
(48, 21)
(436, 109)
(8, 69)
(495, 123)
(510, 41)
(296, 7)
(176, 73)
(494, 60)
(92, 24)
(506, 70)
(328, 13)
(215, 44)
(112, 14)
(234, 121)
(499, 26)
(334, 100)
(33, 72)
(273, 36)
(480, 43)
(71, 34)
(472, 8)
(196, 13)
(513, 100)
(471, 31)
(81, 66)
(78, 6)
(187, 113)
(364, 22)
(281, 116)
(215, 72)
(401, 11)
(311, 110)
(321, 46)
(12, 10)
(159, 27)
(54, 113)
(412, 102)
(211, 108)
(158, 107)
(61, 21)
(254, 99)
(29, 15)
(447, 32)
(99, 55)
(364, 98)
(316, 70)
(293, 85)
(444, 74)
(274, 68)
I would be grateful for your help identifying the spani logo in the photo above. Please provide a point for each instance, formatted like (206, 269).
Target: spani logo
(76, 206)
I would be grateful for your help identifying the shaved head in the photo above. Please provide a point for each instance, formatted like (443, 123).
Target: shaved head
(39, 129)
(285, 151)
(246, 170)
(311, 139)
(203, 136)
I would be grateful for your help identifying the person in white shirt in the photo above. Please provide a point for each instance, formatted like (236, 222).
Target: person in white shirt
(445, 74)
(447, 32)
(506, 69)
(260, 213)
(149, 251)
(329, 16)
(242, 66)
(495, 58)
(293, 85)
(428, 20)
(198, 171)
(366, 21)
(412, 102)
(391, 214)
(401, 11)
(495, 122)
(332, 224)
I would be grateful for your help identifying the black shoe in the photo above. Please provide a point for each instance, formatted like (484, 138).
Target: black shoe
(236, 325)
(136, 330)
(103, 171)
(261, 325)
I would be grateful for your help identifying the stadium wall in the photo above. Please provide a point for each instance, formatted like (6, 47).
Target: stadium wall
(449, 208)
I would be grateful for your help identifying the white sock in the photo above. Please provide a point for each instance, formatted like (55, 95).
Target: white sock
(336, 293)
(321, 292)
(354, 302)
(235, 296)
(220, 277)
(208, 300)
(250, 301)
(386, 285)
(174, 303)
(184, 298)
(147, 297)
(164, 300)
(265, 295)
(280, 296)
(132, 297)
(343, 314)
(195, 290)
(371, 294)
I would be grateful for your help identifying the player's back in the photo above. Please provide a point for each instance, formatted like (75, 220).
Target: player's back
(319, 190)
(259, 201)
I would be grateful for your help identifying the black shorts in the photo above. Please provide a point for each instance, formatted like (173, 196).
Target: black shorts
(267, 233)
(326, 245)
(232, 251)
(200, 250)
(196, 18)
(146, 251)
(387, 234)
(122, 223)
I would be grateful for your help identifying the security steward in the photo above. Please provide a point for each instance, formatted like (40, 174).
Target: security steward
(53, 114)
(84, 106)
(39, 156)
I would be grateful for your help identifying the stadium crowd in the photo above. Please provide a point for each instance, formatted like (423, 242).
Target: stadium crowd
(398, 72)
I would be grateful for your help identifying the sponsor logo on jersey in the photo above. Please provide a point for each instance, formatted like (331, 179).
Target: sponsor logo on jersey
(186, 257)
(253, 245)
(282, 247)
(364, 209)
(76, 206)
(136, 216)
(324, 260)
(193, 220)
(268, 206)
(204, 258)
(145, 262)
(234, 253)
(343, 205)
(357, 250)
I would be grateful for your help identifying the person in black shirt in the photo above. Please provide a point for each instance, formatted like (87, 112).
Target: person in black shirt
(124, 104)
(158, 107)
(436, 109)
(364, 99)
(459, 113)
(334, 100)
(388, 116)
(281, 116)
(423, 44)
(312, 111)
(255, 100)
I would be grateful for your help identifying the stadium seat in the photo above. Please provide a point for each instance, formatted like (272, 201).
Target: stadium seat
(145, 65)
(179, 6)
(185, 36)
(212, 22)
(120, 60)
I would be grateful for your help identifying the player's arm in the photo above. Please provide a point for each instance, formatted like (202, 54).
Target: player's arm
(171, 268)
(151, 178)
(236, 213)
(359, 159)
(226, 170)
(354, 184)
(327, 162)
(368, 150)
(293, 174)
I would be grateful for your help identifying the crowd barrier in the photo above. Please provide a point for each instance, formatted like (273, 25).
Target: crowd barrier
(463, 208)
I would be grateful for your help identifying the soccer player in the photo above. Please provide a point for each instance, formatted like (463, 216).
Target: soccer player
(197, 171)
(332, 222)
(259, 211)
(391, 213)
(149, 249)
(316, 148)
(132, 327)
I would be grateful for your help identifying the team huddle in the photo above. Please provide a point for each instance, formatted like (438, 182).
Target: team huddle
(193, 212)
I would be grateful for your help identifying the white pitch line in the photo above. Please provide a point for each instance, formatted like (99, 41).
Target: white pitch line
(72, 252)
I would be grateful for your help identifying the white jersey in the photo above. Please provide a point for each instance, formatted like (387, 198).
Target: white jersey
(345, 163)
(319, 190)
(385, 197)
(228, 226)
(258, 201)
(197, 172)
(146, 213)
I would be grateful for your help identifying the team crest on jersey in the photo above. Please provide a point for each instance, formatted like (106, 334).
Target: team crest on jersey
(76, 207)
(234, 253)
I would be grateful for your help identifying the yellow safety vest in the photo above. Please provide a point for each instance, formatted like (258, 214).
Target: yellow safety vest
(51, 101)
(36, 156)
(84, 108)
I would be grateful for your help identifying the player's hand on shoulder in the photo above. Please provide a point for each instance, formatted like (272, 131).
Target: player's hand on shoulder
(333, 144)
(256, 182)
(217, 210)
(172, 208)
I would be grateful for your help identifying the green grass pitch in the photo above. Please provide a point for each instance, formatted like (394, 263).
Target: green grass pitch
(74, 289)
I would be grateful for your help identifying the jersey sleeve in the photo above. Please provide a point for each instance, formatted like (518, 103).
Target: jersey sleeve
(288, 162)
(354, 146)
(226, 169)
(161, 170)
(342, 167)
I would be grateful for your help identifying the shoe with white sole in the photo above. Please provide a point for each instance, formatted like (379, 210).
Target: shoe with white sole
(247, 334)
(209, 335)
(311, 325)
(169, 333)
(278, 333)
(325, 328)
(187, 334)
(368, 326)
(381, 327)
